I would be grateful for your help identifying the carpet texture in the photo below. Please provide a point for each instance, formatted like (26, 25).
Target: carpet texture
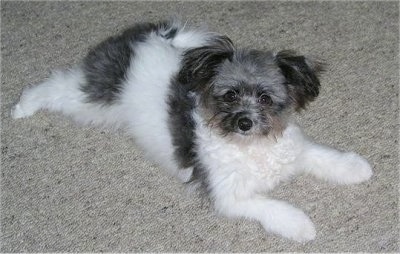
(73, 188)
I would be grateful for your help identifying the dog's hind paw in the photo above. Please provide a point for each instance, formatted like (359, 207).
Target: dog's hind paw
(23, 109)
(17, 112)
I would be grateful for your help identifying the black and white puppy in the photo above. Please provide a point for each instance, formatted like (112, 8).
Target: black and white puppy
(211, 114)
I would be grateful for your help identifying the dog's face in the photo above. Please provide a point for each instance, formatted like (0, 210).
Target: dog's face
(249, 92)
(247, 95)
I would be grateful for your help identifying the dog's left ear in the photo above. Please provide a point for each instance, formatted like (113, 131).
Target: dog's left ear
(301, 74)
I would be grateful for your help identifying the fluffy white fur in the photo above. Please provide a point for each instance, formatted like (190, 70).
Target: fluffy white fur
(238, 176)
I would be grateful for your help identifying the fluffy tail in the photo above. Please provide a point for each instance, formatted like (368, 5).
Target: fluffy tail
(185, 36)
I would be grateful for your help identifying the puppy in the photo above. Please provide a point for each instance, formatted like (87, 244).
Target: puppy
(213, 115)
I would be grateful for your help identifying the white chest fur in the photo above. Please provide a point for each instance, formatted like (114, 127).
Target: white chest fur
(248, 166)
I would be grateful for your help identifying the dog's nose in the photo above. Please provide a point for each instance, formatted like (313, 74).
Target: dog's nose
(245, 124)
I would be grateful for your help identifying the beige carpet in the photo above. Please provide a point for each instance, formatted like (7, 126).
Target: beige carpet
(79, 189)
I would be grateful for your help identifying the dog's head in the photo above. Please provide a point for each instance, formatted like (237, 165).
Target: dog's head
(248, 92)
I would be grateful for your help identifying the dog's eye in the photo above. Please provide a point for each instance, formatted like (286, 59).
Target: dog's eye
(230, 96)
(265, 99)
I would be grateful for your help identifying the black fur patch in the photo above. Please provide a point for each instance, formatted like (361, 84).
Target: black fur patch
(182, 127)
(198, 67)
(105, 65)
(301, 74)
(181, 123)
(199, 64)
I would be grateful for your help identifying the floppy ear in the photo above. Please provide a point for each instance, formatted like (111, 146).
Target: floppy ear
(199, 64)
(301, 76)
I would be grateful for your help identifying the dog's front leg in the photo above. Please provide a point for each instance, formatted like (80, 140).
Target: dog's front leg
(275, 216)
(334, 166)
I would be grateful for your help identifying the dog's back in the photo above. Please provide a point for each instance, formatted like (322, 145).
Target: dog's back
(123, 81)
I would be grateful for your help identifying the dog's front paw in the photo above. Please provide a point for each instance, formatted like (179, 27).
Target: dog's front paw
(300, 231)
(293, 224)
(355, 169)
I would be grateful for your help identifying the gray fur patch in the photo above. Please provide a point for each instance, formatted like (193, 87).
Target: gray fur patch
(105, 65)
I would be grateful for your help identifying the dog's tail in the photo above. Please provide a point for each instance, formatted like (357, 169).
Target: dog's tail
(185, 36)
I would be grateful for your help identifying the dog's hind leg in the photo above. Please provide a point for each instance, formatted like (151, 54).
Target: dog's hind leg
(60, 92)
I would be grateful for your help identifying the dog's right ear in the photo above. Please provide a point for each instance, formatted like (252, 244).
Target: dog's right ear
(199, 64)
